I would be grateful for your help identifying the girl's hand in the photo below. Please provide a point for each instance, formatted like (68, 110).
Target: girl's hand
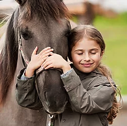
(56, 61)
(37, 60)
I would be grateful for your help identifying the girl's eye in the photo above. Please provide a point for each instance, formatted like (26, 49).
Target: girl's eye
(93, 52)
(79, 53)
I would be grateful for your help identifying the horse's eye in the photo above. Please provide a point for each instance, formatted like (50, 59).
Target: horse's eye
(26, 35)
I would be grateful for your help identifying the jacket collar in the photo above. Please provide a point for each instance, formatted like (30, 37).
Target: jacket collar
(83, 75)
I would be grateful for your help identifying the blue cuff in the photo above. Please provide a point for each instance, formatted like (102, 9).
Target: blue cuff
(23, 77)
(66, 74)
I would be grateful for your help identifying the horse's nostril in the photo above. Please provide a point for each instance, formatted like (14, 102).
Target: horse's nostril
(53, 104)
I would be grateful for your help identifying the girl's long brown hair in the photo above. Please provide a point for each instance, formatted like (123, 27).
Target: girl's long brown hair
(116, 105)
(92, 33)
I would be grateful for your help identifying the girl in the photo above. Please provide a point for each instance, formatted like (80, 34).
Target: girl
(91, 90)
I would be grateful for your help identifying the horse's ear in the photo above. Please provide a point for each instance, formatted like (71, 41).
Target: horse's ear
(21, 2)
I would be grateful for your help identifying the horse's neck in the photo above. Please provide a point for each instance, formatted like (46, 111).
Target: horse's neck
(11, 91)
(11, 114)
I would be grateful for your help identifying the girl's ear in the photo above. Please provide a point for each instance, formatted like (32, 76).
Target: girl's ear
(102, 53)
(21, 2)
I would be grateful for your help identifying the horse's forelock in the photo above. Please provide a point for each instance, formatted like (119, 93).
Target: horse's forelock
(42, 8)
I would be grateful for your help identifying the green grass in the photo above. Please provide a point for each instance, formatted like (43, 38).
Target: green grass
(114, 32)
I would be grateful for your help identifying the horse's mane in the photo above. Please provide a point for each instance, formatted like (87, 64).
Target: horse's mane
(8, 60)
(9, 55)
(3, 29)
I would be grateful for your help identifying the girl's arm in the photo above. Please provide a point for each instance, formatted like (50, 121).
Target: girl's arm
(56, 61)
(97, 99)
(26, 93)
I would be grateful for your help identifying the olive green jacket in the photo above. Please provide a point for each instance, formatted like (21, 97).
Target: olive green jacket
(90, 98)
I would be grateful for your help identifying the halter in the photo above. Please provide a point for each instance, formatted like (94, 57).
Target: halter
(50, 121)
(24, 59)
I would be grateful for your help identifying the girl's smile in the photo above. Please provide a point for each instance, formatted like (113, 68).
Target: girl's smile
(87, 65)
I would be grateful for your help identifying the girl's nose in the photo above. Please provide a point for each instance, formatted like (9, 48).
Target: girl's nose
(86, 57)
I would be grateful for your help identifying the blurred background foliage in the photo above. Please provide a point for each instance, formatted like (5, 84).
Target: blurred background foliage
(114, 31)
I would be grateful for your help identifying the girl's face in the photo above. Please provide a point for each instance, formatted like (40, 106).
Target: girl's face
(86, 55)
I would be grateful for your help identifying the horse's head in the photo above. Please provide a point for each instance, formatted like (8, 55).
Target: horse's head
(41, 23)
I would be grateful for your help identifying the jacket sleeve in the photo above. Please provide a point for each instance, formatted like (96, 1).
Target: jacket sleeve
(26, 93)
(97, 99)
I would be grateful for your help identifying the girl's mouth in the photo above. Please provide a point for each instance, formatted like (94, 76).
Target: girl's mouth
(87, 64)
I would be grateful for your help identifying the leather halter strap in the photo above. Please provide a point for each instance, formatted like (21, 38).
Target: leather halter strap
(25, 60)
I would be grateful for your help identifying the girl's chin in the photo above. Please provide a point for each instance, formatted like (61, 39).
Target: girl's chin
(86, 70)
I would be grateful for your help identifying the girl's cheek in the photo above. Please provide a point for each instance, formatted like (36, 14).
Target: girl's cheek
(76, 59)
(97, 58)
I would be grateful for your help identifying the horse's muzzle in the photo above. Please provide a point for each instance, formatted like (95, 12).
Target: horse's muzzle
(52, 92)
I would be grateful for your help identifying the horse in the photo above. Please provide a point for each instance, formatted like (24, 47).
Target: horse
(41, 23)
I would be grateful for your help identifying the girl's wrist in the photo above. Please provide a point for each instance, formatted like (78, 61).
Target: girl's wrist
(29, 72)
(66, 67)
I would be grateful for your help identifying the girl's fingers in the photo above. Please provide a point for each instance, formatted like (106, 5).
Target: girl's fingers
(51, 53)
(44, 57)
(48, 66)
(47, 52)
(46, 63)
(43, 52)
(35, 51)
(48, 49)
